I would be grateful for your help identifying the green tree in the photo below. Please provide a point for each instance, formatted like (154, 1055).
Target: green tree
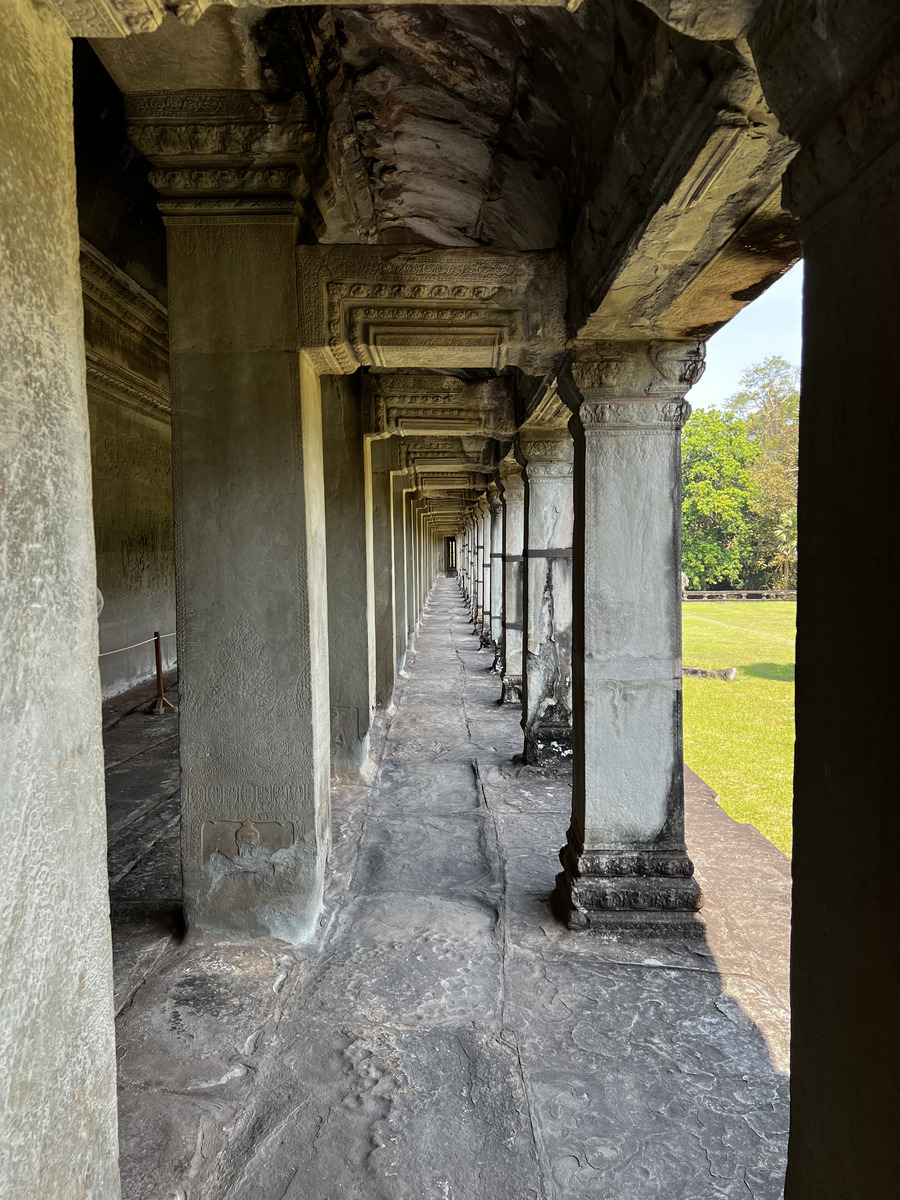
(769, 403)
(717, 499)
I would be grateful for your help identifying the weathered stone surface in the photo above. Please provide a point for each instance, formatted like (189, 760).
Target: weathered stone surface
(546, 456)
(350, 578)
(57, 1115)
(252, 621)
(449, 1037)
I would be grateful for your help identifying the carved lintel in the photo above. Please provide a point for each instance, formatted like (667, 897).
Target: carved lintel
(401, 307)
(110, 18)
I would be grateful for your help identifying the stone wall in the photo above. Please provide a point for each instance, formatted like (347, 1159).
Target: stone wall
(126, 333)
(131, 459)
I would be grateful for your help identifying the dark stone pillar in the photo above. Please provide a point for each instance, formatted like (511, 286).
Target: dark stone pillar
(844, 187)
(351, 608)
(379, 469)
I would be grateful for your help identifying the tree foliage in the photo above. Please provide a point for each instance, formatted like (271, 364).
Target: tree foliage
(739, 484)
(769, 403)
(717, 499)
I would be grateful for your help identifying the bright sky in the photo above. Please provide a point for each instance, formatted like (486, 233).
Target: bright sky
(768, 326)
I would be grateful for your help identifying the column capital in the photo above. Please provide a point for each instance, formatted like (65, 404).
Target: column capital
(512, 484)
(549, 455)
(647, 416)
(649, 370)
(223, 152)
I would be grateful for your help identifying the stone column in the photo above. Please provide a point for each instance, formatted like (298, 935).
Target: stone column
(57, 1046)
(513, 494)
(547, 685)
(482, 549)
(496, 631)
(484, 635)
(351, 602)
(378, 453)
(471, 565)
(625, 864)
(251, 580)
(398, 525)
(409, 515)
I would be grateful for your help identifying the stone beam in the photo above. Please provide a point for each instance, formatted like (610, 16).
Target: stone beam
(402, 306)
(686, 226)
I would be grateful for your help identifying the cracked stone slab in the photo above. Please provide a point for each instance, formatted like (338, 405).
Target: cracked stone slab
(412, 960)
(380, 1113)
(434, 854)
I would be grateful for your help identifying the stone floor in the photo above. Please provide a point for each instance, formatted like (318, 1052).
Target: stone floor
(445, 1039)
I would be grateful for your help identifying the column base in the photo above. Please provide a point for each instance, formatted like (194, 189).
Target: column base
(511, 689)
(548, 744)
(485, 640)
(639, 893)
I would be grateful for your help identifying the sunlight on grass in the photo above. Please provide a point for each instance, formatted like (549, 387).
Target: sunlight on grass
(739, 735)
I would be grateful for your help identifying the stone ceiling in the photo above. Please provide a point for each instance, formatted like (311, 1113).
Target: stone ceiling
(645, 157)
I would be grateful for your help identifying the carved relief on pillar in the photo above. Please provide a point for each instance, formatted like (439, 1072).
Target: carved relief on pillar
(397, 307)
(625, 866)
(548, 457)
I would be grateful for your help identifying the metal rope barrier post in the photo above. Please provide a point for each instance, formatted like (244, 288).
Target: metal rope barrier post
(162, 705)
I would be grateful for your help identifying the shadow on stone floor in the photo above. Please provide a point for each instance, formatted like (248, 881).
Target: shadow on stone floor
(445, 1037)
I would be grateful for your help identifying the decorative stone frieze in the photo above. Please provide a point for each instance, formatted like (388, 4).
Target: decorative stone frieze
(126, 338)
(625, 868)
(396, 307)
(119, 18)
(413, 405)
(227, 152)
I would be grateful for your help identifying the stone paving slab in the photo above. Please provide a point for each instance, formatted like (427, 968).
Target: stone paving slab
(446, 1038)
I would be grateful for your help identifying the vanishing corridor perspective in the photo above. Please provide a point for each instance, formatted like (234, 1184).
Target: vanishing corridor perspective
(344, 357)
(444, 1037)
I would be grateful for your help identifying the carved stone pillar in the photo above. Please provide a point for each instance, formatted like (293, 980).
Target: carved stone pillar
(398, 528)
(57, 1038)
(513, 498)
(476, 562)
(378, 465)
(625, 864)
(547, 639)
(496, 631)
(484, 635)
(409, 525)
(249, 517)
(482, 562)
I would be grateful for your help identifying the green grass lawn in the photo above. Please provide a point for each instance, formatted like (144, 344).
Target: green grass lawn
(739, 735)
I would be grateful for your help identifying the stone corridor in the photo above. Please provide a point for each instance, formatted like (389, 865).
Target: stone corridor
(445, 1038)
